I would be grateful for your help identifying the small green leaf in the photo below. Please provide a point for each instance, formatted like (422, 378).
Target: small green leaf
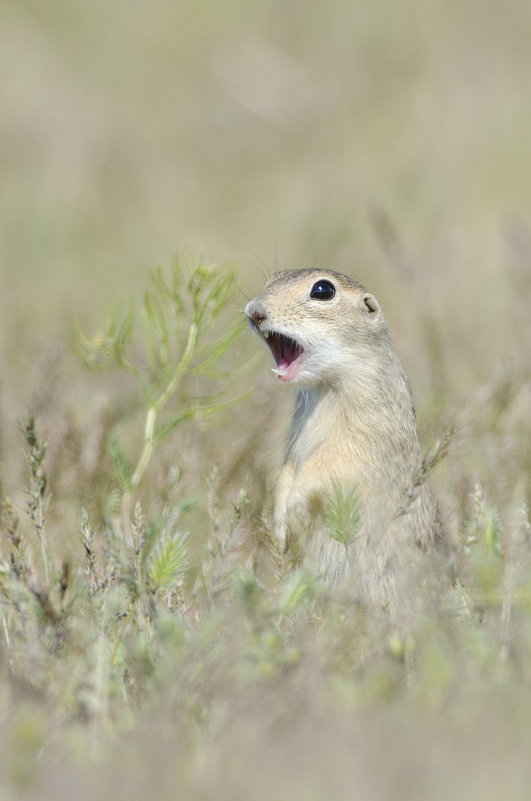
(162, 431)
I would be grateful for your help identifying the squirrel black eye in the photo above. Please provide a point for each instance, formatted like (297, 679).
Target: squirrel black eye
(323, 290)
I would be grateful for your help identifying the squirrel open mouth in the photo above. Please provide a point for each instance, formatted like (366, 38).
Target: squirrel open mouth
(286, 353)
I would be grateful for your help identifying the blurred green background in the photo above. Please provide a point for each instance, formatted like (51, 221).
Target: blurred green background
(387, 141)
(273, 134)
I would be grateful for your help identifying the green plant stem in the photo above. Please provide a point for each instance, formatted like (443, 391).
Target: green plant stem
(147, 451)
(149, 427)
(8, 645)
(191, 345)
(45, 561)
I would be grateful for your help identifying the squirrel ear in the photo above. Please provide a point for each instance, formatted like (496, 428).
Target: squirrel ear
(371, 303)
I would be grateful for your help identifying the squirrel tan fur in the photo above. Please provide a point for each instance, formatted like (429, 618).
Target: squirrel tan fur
(353, 429)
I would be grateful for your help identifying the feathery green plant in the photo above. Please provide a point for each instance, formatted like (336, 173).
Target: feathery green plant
(168, 560)
(176, 314)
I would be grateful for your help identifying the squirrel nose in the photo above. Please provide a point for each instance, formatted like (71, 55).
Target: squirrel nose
(255, 313)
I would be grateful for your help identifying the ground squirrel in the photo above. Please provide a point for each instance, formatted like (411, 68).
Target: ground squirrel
(353, 428)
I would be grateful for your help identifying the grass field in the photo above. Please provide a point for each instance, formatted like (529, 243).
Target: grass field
(152, 643)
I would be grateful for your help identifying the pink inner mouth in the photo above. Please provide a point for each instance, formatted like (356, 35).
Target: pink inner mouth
(285, 352)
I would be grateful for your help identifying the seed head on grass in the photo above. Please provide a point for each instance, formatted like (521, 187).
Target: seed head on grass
(18, 556)
(168, 560)
(87, 539)
(37, 487)
(342, 515)
(429, 461)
